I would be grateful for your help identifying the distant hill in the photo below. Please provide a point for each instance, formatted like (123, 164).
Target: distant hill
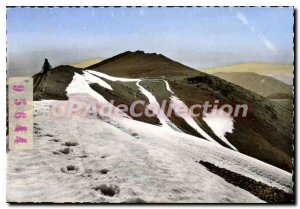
(283, 73)
(87, 63)
(263, 85)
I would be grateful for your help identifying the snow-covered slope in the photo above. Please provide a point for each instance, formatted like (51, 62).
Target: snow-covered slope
(123, 157)
(155, 105)
(118, 159)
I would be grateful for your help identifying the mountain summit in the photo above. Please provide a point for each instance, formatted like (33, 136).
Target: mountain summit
(140, 64)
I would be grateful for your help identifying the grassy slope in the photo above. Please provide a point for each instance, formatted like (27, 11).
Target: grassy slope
(262, 85)
(53, 84)
(125, 93)
(160, 92)
(286, 103)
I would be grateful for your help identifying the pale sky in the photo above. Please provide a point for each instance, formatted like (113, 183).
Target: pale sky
(197, 37)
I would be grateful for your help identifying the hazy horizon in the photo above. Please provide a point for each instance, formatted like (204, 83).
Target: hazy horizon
(198, 37)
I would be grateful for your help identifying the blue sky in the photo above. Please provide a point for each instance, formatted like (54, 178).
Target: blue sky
(198, 37)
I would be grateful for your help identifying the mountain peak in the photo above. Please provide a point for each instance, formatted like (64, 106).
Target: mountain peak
(137, 53)
(139, 64)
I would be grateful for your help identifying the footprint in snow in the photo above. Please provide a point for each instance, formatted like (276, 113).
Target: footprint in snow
(72, 169)
(104, 156)
(64, 151)
(104, 171)
(49, 135)
(55, 140)
(70, 144)
(108, 190)
(82, 156)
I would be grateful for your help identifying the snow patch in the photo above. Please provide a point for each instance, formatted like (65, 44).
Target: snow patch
(112, 78)
(80, 86)
(221, 123)
(176, 102)
(168, 87)
(94, 79)
(153, 104)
